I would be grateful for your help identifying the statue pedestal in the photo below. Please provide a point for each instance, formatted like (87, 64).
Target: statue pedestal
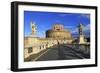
(81, 40)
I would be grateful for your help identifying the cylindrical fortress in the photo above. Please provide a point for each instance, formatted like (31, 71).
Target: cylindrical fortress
(58, 32)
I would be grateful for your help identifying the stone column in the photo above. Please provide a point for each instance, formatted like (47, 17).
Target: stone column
(81, 35)
(33, 29)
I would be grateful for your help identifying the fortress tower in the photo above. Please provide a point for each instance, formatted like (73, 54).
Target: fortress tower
(58, 32)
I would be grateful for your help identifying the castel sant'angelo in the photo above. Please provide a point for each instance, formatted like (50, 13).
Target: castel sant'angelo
(57, 35)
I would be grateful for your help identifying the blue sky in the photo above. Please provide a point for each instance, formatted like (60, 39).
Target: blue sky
(46, 20)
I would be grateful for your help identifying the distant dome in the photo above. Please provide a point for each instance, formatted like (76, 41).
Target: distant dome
(58, 32)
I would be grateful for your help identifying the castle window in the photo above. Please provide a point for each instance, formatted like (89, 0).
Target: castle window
(30, 50)
(58, 29)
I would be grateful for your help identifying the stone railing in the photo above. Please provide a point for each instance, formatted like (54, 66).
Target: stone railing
(35, 48)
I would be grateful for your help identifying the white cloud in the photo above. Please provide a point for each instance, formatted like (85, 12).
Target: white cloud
(85, 29)
(74, 30)
(41, 34)
(69, 27)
